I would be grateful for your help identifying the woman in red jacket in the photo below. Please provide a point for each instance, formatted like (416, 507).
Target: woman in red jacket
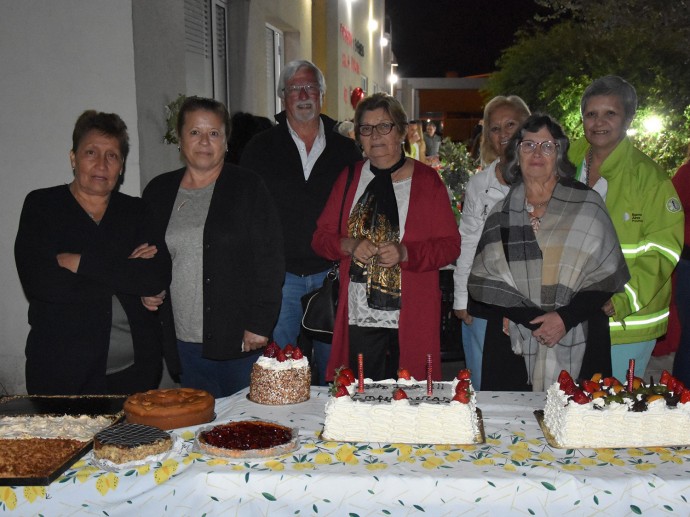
(397, 229)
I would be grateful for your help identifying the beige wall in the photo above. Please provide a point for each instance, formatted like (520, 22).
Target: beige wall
(312, 30)
(344, 28)
(248, 54)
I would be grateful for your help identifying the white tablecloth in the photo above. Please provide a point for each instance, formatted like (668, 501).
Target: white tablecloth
(514, 473)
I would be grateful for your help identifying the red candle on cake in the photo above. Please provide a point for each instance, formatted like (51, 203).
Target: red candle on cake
(360, 372)
(429, 387)
(631, 374)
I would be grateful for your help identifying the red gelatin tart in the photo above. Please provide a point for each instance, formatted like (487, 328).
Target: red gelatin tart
(248, 439)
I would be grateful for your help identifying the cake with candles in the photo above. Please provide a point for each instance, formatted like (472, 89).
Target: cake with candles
(280, 376)
(605, 413)
(402, 411)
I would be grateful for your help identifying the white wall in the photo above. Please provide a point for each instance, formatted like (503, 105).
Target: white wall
(247, 47)
(57, 58)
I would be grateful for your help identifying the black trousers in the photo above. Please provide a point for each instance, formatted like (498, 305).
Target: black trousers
(502, 370)
(380, 350)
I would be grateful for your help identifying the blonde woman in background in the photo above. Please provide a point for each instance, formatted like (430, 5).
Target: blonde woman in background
(502, 117)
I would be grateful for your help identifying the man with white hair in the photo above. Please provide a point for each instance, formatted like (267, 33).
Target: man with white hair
(299, 160)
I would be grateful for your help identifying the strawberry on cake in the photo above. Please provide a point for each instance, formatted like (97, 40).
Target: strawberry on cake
(401, 411)
(280, 376)
(603, 412)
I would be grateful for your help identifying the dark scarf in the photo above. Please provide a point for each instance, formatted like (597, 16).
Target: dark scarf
(375, 217)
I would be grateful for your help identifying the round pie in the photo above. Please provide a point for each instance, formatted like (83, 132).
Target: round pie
(170, 408)
(130, 442)
(248, 439)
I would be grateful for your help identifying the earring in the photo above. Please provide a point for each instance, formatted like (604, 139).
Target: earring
(178, 148)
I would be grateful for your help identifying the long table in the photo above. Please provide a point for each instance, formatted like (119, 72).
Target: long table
(515, 472)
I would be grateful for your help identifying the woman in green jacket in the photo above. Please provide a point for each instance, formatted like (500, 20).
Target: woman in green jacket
(646, 214)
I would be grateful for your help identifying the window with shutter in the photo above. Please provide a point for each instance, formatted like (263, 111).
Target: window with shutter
(205, 23)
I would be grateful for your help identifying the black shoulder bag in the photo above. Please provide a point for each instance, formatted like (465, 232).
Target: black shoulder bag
(321, 305)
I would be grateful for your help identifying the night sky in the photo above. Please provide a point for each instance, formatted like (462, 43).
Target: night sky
(432, 37)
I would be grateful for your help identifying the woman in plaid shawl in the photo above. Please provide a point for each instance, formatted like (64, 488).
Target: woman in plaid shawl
(548, 260)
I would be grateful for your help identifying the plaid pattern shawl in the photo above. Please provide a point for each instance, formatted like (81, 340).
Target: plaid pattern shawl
(576, 249)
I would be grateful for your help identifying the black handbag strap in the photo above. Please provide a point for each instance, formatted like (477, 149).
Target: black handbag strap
(350, 176)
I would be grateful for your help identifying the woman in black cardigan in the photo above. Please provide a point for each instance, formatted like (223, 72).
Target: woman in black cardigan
(224, 237)
(84, 257)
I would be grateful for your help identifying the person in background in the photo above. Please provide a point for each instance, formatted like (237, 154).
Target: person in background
(397, 230)
(414, 145)
(243, 127)
(85, 255)
(474, 144)
(681, 363)
(432, 140)
(646, 213)
(547, 260)
(347, 128)
(502, 118)
(223, 233)
(299, 160)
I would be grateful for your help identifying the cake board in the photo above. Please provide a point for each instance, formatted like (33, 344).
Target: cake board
(539, 415)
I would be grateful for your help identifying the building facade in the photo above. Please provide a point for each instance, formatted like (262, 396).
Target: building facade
(134, 57)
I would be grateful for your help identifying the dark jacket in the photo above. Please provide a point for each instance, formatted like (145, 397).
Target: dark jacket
(274, 156)
(243, 265)
(71, 314)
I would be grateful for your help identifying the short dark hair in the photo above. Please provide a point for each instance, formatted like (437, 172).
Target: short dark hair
(564, 167)
(109, 124)
(389, 104)
(203, 104)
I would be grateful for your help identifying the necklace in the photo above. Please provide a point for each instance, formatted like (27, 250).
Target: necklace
(532, 207)
(588, 164)
(535, 221)
(376, 171)
(82, 203)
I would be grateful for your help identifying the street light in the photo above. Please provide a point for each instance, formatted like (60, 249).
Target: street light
(653, 123)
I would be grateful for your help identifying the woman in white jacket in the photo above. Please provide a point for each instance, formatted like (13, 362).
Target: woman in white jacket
(502, 117)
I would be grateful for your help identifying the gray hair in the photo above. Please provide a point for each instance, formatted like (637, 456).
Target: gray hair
(612, 85)
(345, 127)
(291, 69)
(564, 167)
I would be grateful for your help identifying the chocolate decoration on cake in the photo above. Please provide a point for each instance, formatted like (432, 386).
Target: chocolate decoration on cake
(130, 442)
(130, 435)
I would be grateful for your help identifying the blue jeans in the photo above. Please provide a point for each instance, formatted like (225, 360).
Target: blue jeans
(219, 378)
(473, 346)
(289, 321)
(621, 354)
(681, 363)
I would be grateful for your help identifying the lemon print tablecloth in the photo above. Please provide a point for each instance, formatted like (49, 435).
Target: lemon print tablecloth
(515, 472)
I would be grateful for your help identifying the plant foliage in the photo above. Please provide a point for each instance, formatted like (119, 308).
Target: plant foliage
(576, 41)
(456, 168)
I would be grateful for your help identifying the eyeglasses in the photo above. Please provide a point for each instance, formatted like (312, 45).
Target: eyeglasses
(295, 89)
(382, 128)
(547, 147)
